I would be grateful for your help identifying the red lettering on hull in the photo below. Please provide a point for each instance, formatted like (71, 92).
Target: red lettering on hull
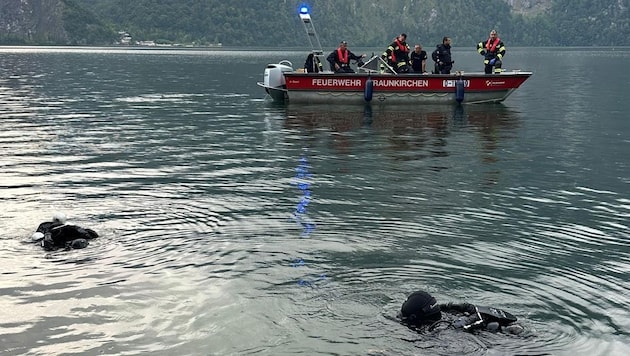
(387, 83)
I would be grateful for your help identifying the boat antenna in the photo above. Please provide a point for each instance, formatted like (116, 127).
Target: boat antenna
(313, 39)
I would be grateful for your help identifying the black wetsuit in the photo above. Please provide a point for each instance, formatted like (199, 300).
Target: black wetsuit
(57, 235)
(442, 57)
(422, 312)
(46, 226)
(470, 317)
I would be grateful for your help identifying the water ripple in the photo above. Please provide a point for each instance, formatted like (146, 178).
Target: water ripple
(300, 230)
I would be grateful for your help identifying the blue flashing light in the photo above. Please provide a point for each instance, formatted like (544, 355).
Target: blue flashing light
(304, 10)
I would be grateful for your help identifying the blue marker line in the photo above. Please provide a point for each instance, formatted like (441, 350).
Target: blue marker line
(300, 214)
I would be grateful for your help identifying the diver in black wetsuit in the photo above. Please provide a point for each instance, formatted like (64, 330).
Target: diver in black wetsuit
(56, 234)
(421, 310)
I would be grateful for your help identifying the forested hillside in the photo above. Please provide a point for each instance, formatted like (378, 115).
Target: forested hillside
(274, 23)
(51, 22)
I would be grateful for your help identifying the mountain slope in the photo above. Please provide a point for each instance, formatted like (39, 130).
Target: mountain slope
(274, 23)
(51, 22)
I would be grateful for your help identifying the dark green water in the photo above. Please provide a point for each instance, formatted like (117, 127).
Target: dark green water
(231, 226)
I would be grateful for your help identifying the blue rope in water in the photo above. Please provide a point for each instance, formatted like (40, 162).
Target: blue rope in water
(302, 177)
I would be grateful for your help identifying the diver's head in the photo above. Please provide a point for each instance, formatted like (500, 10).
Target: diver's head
(59, 218)
(37, 236)
(420, 308)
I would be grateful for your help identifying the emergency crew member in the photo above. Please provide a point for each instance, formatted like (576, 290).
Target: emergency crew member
(339, 59)
(397, 54)
(442, 57)
(312, 64)
(421, 311)
(493, 51)
(418, 59)
(57, 234)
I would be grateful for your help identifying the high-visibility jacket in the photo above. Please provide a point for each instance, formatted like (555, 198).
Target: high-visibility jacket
(491, 48)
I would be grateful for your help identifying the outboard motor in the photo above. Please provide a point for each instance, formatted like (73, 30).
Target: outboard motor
(274, 74)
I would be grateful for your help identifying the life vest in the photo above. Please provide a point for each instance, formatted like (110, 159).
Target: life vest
(492, 47)
(401, 47)
(342, 56)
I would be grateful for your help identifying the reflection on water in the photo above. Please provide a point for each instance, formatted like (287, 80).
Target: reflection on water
(405, 123)
(302, 179)
(462, 209)
(411, 133)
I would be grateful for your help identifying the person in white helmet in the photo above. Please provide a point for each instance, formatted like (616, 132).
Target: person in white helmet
(56, 234)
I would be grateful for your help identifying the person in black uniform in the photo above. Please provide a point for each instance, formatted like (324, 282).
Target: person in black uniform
(422, 311)
(442, 57)
(339, 59)
(418, 59)
(312, 64)
(56, 234)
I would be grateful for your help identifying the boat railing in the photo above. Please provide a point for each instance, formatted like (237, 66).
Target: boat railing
(377, 64)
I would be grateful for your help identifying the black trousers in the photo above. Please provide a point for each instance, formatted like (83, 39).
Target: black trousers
(488, 67)
(344, 69)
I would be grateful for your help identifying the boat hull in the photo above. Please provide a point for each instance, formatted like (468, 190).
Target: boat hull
(276, 94)
(354, 88)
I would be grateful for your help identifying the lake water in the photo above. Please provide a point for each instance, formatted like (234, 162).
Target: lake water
(232, 226)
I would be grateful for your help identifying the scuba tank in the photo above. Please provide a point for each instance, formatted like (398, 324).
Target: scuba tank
(487, 315)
